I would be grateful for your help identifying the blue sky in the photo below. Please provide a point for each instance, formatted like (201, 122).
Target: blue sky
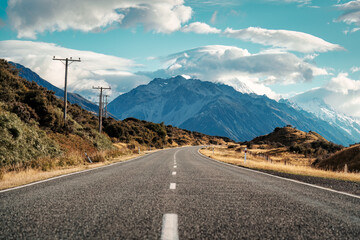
(273, 47)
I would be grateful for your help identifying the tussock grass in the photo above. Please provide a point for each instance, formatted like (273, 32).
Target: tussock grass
(253, 162)
(22, 176)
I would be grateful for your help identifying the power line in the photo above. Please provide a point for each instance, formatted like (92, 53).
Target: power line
(66, 61)
(101, 105)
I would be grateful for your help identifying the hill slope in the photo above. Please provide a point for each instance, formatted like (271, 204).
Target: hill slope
(216, 109)
(296, 141)
(349, 156)
(73, 98)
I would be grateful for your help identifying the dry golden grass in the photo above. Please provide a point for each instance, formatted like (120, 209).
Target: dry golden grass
(21, 177)
(230, 156)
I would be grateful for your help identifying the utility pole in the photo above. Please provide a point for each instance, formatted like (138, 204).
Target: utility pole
(101, 105)
(106, 103)
(66, 61)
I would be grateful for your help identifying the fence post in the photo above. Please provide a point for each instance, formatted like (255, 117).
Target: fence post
(89, 159)
(245, 155)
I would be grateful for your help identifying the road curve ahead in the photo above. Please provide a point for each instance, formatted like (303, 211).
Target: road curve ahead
(176, 194)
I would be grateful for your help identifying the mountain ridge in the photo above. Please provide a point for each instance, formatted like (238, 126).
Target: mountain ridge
(216, 109)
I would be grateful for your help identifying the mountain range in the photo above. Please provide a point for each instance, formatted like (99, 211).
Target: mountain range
(218, 109)
(314, 102)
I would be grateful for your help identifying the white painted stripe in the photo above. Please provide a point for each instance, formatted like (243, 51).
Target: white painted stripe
(172, 186)
(175, 166)
(175, 154)
(70, 174)
(173, 173)
(286, 179)
(169, 229)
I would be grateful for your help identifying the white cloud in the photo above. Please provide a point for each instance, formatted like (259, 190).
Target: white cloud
(341, 93)
(200, 28)
(355, 69)
(311, 57)
(235, 67)
(93, 70)
(29, 18)
(289, 40)
(343, 84)
(214, 17)
(351, 13)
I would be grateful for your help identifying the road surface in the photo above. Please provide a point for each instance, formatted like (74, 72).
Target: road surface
(176, 194)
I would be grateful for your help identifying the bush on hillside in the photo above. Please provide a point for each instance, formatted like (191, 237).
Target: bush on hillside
(21, 143)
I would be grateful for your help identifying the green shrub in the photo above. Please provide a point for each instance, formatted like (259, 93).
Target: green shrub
(21, 143)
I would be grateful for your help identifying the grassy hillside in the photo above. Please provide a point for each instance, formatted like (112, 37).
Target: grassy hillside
(336, 162)
(34, 134)
(310, 143)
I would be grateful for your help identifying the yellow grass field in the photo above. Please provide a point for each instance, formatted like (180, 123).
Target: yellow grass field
(292, 166)
(17, 178)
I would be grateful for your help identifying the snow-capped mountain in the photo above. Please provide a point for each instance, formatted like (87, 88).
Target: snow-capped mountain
(313, 102)
(217, 109)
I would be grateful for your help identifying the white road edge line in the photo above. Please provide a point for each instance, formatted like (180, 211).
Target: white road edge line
(169, 229)
(173, 173)
(69, 174)
(172, 186)
(287, 179)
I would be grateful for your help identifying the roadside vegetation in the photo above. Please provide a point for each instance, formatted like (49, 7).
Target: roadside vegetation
(293, 151)
(35, 138)
(286, 163)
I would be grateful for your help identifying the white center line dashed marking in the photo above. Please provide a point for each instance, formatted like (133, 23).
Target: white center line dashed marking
(169, 229)
(173, 173)
(175, 166)
(172, 186)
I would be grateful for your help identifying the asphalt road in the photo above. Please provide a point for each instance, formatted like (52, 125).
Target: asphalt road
(148, 198)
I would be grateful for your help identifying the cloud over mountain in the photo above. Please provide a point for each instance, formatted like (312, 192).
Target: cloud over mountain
(288, 40)
(30, 18)
(341, 93)
(235, 67)
(345, 94)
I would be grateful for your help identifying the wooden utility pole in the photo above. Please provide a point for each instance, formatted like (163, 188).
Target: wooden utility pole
(101, 105)
(106, 103)
(66, 62)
